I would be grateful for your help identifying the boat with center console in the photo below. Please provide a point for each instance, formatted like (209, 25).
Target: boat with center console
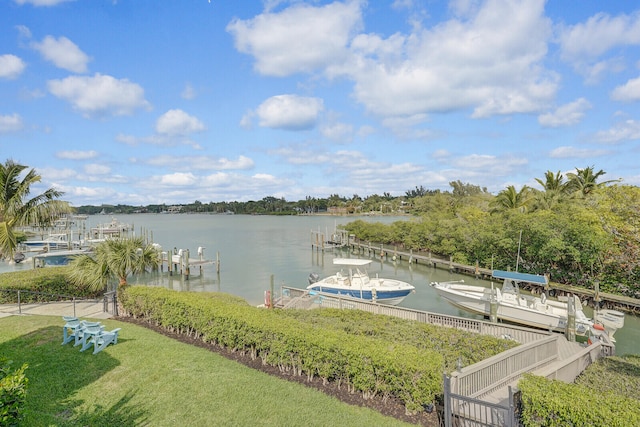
(510, 305)
(353, 281)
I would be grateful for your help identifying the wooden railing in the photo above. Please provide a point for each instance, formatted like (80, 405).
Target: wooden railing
(502, 369)
(299, 298)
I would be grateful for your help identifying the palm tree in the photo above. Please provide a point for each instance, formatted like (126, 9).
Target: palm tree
(555, 191)
(17, 210)
(584, 181)
(114, 258)
(509, 198)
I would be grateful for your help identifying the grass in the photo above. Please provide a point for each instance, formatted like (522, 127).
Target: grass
(149, 379)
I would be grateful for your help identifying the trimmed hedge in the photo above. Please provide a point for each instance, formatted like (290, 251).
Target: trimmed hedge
(454, 345)
(48, 281)
(13, 392)
(369, 366)
(553, 403)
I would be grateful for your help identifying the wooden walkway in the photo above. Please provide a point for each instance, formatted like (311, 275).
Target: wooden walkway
(481, 394)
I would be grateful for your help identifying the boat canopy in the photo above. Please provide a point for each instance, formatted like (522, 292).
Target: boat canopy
(354, 262)
(521, 277)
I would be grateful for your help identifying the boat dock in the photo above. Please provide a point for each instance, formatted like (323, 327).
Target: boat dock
(482, 394)
(589, 297)
(180, 262)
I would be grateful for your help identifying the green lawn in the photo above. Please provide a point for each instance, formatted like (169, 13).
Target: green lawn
(149, 379)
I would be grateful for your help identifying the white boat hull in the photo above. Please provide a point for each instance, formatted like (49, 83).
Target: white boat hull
(358, 285)
(524, 310)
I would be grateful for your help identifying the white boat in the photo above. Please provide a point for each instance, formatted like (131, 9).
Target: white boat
(353, 281)
(529, 310)
(110, 230)
(53, 242)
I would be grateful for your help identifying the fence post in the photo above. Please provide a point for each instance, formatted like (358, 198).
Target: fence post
(511, 416)
(19, 306)
(447, 401)
(115, 303)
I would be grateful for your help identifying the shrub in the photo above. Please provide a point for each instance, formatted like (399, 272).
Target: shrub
(49, 282)
(371, 366)
(13, 392)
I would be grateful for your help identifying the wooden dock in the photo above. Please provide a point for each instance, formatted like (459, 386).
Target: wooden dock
(481, 394)
(391, 253)
(180, 262)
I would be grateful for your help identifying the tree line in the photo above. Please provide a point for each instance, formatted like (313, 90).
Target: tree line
(577, 229)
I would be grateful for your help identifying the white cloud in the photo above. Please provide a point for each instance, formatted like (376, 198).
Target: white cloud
(177, 122)
(301, 38)
(11, 66)
(630, 91)
(199, 162)
(99, 95)
(12, 123)
(573, 152)
(77, 154)
(599, 34)
(289, 112)
(63, 53)
(337, 131)
(188, 92)
(505, 164)
(583, 44)
(629, 130)
(41, 2)
(96, 169)
(491, 62)
(178, 179)
(565, 115)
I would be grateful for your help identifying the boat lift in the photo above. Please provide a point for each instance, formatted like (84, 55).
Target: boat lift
(179, 261)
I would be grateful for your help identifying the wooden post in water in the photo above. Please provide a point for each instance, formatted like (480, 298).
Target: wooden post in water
(271, 293)
(218, 262)
(571, 319)
(186, 263)
(450, 262)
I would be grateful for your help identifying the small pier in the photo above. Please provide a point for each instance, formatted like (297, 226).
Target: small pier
(591, 297)
(482, 394)
(180, 262)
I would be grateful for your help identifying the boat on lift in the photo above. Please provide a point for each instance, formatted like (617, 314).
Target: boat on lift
(353, 281)
(529, 310)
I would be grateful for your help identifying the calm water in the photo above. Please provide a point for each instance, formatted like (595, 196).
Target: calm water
(253, 248)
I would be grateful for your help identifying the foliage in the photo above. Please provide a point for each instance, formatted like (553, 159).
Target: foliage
(372, 367)
(44, 284)
(148, 379)
(114, 258)
(451, 344)
(13, 392)
(620, 375)
(552, 403)
(16, 209)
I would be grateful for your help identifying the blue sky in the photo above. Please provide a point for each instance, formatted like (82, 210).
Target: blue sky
(151, 101)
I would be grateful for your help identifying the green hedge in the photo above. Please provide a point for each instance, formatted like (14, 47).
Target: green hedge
(369, 366)
(552, 403)
(454, 345)
(48, 281)
(13, 393)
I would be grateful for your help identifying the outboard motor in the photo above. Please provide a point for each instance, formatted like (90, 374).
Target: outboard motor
(18, 257)
(313, 278)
